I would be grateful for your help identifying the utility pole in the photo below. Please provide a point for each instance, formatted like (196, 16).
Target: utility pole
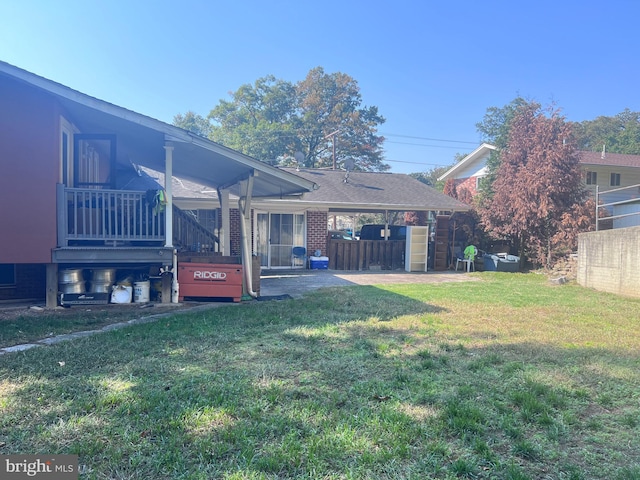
(333, 143)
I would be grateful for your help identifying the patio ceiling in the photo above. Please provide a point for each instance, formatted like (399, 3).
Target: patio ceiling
(141, 140)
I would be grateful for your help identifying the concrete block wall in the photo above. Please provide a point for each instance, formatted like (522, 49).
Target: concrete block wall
(608, 261)
(317, 232)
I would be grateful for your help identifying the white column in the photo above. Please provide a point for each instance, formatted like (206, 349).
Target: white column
(168, 181)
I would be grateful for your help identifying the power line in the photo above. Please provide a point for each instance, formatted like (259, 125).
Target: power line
(426, 138)
(418, 163)
(296, 134)
(425, 145)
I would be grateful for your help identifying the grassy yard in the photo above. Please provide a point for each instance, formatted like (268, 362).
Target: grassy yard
(506, 378)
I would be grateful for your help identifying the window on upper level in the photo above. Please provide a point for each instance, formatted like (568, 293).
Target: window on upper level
(94, 160)
(615, 180)
(592, 178)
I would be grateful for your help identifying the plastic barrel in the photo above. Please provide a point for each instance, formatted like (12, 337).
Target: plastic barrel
(141, 291)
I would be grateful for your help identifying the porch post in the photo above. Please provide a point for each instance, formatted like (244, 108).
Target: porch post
(244, 204)
(225, 238)
(386, 224)
(168, 181)
(51, 294)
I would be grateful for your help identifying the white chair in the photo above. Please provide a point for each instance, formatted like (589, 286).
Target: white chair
(468, 261)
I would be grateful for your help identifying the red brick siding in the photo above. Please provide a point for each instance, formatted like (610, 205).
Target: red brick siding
(234, 231)
(317, 232)
(468, 183)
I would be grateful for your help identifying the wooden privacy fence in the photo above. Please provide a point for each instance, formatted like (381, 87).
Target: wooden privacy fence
(366, 254)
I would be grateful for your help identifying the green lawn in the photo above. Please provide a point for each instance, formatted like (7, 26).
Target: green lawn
(506, 378)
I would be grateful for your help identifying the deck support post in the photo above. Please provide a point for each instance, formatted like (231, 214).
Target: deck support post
(51, 293)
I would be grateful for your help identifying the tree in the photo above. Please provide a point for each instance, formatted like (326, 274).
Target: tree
(430, 177)
(257, 121)
(496, 124)
(538, 183)
(618, 134)
(193, 122)
(494, 129)
(272, 120)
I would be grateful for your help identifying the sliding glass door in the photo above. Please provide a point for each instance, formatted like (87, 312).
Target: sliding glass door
(276, 234)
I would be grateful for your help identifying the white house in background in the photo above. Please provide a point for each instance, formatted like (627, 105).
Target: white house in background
(615, 176)
(468, 171)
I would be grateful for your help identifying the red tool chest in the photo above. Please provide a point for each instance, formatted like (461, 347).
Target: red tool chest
(210, 280)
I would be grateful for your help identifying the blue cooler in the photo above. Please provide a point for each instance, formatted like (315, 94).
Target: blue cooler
(319, 263)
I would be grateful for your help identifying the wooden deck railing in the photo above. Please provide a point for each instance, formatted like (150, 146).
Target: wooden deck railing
(119, 217)
(190, 236)
(109, 216)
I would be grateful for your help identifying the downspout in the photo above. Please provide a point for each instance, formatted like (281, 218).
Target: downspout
(244, 203)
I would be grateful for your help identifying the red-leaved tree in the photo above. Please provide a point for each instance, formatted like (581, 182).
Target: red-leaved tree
(538, 187)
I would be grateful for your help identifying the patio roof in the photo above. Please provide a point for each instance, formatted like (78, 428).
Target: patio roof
(141, 141)
(341, 191)
(361, 192)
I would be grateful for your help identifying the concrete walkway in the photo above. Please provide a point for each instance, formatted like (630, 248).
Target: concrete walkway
(296, 283)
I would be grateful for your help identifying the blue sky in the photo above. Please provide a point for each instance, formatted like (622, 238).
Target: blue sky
(432, 68)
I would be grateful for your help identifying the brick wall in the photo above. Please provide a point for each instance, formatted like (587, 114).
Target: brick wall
(469, 184)
(31, 282)
(317, 232)
(234, 231)
(607, 261)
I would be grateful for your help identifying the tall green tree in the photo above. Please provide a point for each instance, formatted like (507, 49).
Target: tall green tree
(258, 119)
(193, 122)
(496, 123)
(618, 134)
(273, 119)
(538, 183)
(430, 177)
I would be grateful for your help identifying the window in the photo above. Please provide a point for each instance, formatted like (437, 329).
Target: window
(66, 152)
(615, 180)
(592, 178)
(7, 274)
(94, 159)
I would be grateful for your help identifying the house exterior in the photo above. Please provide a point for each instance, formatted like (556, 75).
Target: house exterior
(72, 195)
(279, 224)
(468, 172)
(614, 177)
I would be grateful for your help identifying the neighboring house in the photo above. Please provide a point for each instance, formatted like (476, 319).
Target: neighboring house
(468, 172)
(603, 172)
(615, 179)
(282, 223)
(72, 194)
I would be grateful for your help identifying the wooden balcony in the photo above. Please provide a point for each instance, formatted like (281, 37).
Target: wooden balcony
(102, 226)
(109, 218)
